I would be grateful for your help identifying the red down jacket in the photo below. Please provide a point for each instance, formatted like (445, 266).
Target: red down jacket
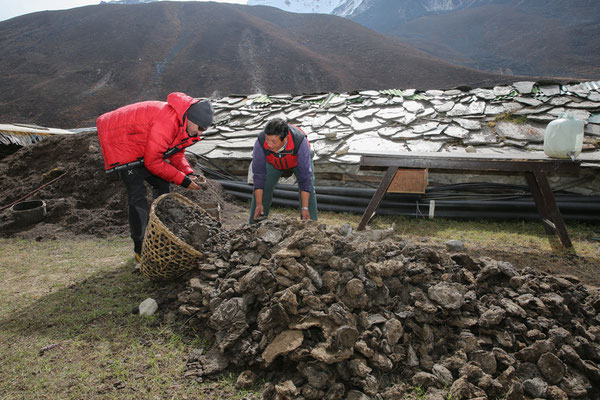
(149, 130)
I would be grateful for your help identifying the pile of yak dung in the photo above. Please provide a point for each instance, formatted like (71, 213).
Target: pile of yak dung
(323, 313)
(191, 224)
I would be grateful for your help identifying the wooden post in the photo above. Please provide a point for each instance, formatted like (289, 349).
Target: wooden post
(377, 197)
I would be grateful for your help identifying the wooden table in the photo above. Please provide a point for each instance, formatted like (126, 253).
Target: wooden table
(535, 168)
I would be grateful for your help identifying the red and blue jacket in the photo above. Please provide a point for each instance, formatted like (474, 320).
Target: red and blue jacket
(295, 155)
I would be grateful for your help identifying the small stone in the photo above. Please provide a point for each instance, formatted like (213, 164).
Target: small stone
(345, 230)
(148, 307)
(455, 245)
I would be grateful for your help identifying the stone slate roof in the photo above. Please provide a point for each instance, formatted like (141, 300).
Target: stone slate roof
(340, 126)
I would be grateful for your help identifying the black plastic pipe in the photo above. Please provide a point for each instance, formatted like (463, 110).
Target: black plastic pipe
(585, 208)
(439, 213)
(433, 193)
(583, 203)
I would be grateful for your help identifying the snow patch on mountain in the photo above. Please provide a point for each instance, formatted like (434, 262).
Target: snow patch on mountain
(450, 5)
(352, 7)
(301, 6)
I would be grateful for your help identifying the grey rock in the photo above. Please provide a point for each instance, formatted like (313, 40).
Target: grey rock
(469, 124)
(524, 87)
(485, 94)
(529, 101)
(520, 132)
(456, 132)
(559, 101)
(413, 106)
(148, 307)
(550, 90)
(455, 245)
(345, 230)
(503, 90)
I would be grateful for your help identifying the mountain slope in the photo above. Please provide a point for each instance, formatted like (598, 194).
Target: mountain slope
(533, 37)
(524, 37)
(64, 68)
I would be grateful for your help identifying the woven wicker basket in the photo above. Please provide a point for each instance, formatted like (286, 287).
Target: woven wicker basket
(164, 255)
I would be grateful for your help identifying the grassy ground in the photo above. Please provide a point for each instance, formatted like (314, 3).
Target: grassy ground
(67, 330)
(76, 297)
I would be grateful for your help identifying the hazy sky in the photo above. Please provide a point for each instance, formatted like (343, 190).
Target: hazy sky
(14, 8)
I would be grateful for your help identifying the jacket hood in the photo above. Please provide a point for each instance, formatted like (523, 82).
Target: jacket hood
(180, 103)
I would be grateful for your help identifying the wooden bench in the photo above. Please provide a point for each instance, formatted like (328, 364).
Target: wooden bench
(535, 168)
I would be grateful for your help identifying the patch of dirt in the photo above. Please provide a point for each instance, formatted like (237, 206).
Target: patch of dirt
(81, 199)
(558, 262)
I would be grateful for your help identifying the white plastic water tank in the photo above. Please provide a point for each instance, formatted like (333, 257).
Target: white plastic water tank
(563, 137)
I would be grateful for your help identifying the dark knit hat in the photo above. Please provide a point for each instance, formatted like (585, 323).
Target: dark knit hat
(201, 113)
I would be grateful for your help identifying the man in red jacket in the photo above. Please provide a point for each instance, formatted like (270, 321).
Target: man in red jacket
(144, 142)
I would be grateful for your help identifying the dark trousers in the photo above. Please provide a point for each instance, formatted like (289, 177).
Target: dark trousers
(137, 203)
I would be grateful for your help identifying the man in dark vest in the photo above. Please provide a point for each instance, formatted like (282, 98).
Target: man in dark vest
(281, 148)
